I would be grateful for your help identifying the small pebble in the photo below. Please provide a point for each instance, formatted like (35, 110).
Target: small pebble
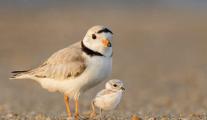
(134, 117)
(152, 118)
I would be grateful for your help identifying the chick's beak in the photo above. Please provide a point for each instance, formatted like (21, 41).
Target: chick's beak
(106, 43)
(122, 88)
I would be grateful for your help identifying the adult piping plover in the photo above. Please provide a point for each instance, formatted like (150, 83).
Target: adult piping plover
(108, 98)
(76, 68)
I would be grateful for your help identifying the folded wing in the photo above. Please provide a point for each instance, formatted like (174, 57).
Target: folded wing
(62, 65)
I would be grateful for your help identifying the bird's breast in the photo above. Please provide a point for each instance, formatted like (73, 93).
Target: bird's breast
(98, 69)
(108, 101)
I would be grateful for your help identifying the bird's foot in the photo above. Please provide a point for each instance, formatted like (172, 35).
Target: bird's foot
(92, 115)
(74, 118)
(81, 117)
(77, 117)
(70, 118)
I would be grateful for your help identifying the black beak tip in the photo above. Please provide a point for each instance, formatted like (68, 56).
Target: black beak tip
(123, 88)
(109, 44)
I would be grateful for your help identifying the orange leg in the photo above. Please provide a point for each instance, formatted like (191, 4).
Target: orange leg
(76, 109)
(66, 99)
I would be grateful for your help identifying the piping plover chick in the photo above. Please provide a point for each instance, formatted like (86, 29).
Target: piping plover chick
(108, 98)
(76, 68)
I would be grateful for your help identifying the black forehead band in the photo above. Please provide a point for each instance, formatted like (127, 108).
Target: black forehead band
(105, 30)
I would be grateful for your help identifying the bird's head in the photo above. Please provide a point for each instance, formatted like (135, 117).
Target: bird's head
(115, 85)
(99, 39)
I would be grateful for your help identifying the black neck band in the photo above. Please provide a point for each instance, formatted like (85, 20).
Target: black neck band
(89, 51)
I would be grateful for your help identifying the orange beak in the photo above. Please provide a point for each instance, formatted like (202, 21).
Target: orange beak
(106, 43)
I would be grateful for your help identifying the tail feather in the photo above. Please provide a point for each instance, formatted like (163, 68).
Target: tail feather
(19, 74)
(21, 71)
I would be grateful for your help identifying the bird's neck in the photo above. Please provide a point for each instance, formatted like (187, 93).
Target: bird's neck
(88, 51)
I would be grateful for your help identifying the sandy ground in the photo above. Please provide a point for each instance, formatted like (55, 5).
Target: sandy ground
(115, 115)
(160, 54)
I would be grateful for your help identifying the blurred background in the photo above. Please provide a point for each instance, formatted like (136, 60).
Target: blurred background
(160, 51)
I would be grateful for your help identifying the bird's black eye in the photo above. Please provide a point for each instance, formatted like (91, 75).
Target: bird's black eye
(115, 85)
(93, 36)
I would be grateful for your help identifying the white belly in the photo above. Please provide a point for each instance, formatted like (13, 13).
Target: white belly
(98, 69)
(108, 102)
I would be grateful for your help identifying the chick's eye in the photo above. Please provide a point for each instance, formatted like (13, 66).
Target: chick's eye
(115, 85)
(93, 36)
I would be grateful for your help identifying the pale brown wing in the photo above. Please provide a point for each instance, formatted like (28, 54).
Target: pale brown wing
(62, 65)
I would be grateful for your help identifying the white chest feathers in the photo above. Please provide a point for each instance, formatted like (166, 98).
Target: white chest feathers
(108, 101)
(98, 68)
